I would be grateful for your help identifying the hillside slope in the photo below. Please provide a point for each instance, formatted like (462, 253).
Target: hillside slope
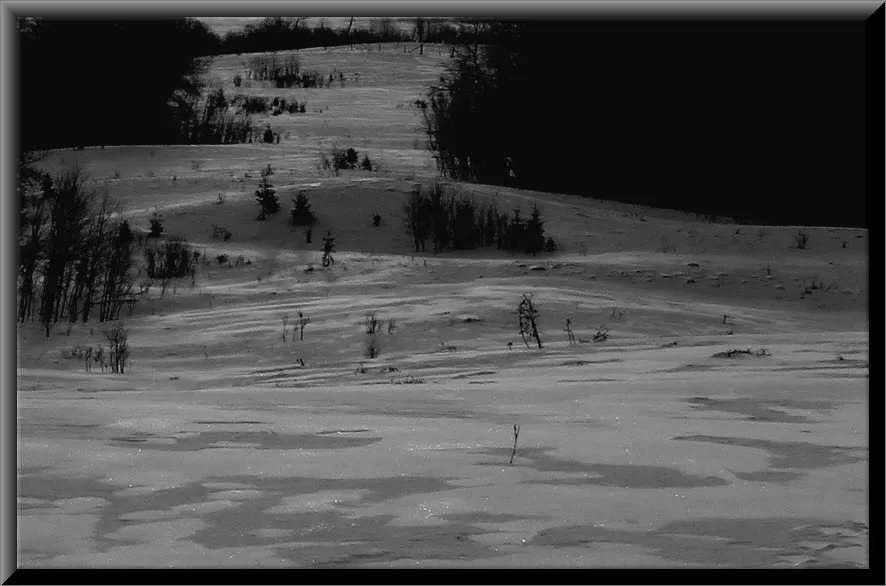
(226, 445)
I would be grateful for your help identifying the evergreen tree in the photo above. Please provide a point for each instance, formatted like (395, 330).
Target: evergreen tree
(266, 196)
(534, 236)
(302, 214)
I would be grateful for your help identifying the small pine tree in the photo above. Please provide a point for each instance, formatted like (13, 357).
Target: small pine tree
(534, 235)
(266, 196)
(516, 232)
(491, 221)
(301, 212)
(328, 248)
(351, 158)
(156, 225)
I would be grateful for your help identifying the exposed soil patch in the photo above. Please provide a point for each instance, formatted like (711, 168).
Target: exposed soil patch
(470, 374)
(768, 476)
(746, 353)
(621, 475)
(586, 362)
(690, 368)
(782, 455)
(334, 431)
(242, 422)
(715, 541)
(260, 440)
(761, 410)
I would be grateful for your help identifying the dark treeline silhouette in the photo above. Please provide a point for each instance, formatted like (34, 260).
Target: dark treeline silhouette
(762, 122)
(286, 34)
(454, 221)
(108, 82)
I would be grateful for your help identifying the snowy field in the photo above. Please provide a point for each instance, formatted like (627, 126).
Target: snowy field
(224, 446)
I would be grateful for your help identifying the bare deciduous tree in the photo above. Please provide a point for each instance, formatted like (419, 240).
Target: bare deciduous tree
(528, 321)
(118, 345)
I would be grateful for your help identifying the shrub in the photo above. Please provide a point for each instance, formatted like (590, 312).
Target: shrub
(220, 233)
(372, 347)
(344, 159)
(372, 327)
(550, 245)
(324, 163)
(371, 324)
(301, 212)
(254, 105)
(282, 74)
(222, 259)
(156, 222)
(366, 165)
(268, 136)
(801, 239)
(171, 259)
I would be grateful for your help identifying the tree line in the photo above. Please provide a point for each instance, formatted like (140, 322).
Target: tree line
(104, 82)
(75, 257)
(754, 121)
(292, 33)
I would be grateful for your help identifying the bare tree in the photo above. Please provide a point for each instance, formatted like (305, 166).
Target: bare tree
(528, 321)
(348, 34)
(418, 29)
(303, 320)
(118, 346)
(569, 333)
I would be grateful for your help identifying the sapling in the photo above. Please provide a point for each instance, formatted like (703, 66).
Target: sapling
(528, 321)
(569, 333)
(516, 435)
(87, 359)
(328, 249)
(303, 320)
